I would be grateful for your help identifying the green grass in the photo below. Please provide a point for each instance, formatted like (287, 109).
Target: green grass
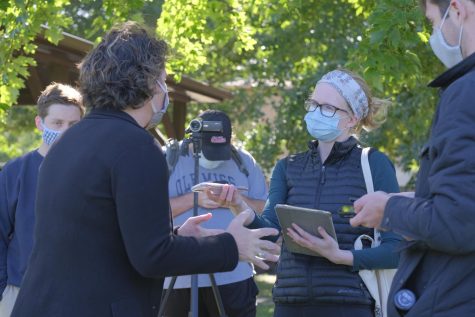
(265, 305)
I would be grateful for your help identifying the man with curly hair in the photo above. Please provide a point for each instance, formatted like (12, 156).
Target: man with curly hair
(104, 238)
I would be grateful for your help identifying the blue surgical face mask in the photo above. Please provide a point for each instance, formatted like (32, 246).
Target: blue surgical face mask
(322, 128)
(447, 54)
(49, 135)
(158, 111)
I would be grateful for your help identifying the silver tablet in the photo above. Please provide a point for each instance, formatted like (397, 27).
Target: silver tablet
(307, 219)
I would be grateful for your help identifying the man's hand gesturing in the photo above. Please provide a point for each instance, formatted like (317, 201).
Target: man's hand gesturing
(250, 245)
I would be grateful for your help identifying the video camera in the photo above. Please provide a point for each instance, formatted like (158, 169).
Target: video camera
(199, 125)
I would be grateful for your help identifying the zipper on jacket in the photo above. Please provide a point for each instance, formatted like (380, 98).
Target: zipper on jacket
(322, 178)
(319, 188)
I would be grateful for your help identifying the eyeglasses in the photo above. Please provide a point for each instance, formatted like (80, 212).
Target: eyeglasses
(325, 109)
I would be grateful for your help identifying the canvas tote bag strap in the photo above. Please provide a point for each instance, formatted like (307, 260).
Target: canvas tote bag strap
(368, 178)
(377, 281)
(367, 170)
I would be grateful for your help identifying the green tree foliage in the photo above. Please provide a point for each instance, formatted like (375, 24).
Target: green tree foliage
(275, 49)
(20, 23)
(395, 58)
(281, 48)
(22, 20)
(18, 132)
(93, 18)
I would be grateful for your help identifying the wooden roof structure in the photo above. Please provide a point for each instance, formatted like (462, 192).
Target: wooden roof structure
(58, 63)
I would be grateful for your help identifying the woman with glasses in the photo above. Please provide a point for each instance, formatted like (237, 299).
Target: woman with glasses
(327, 176)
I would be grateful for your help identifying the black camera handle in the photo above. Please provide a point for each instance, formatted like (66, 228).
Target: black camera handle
(195, 139)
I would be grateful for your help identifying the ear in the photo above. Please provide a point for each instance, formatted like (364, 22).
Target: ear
(352, 122)
(459, 10)
(38, 123)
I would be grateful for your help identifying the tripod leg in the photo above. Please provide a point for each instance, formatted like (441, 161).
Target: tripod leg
(165, 297)
(217, 296)
(194, 293)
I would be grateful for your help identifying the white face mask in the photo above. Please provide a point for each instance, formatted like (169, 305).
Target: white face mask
(210, 165)
(449, 55)
(158, 113)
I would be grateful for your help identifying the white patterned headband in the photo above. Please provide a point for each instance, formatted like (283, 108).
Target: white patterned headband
(350, 90)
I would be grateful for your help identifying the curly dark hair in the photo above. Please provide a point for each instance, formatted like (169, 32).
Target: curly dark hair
(122, 70)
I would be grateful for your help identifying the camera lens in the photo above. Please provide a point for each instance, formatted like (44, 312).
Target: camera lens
(195, 125)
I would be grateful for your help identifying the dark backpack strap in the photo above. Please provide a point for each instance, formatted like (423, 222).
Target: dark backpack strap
(238, 160)
(172, 154)
(175, 149)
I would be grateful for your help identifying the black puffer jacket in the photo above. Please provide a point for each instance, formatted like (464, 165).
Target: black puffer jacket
(307, 279)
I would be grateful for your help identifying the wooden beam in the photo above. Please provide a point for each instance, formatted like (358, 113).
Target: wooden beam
(69, 41)
(178, 95)
(34, 84)
(168, 125)
(59, 74)
(179, 118)
(56, 58)
(200, 88)
(157, 137)
(58, 63)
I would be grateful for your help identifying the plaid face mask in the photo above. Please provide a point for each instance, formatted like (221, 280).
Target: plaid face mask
(49, 135)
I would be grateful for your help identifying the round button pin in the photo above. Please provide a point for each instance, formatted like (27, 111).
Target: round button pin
(404, 299)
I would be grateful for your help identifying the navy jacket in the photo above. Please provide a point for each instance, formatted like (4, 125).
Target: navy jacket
(103, 235)
(17, 216)
(439, 264)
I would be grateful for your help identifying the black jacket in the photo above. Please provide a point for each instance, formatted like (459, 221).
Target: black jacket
(311, 183)
(103, 239)
(439, 264)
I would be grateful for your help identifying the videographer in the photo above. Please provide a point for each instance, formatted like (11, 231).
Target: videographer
(218, 163)
(104, 239)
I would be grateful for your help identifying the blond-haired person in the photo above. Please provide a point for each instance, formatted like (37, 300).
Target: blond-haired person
(327, 176)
